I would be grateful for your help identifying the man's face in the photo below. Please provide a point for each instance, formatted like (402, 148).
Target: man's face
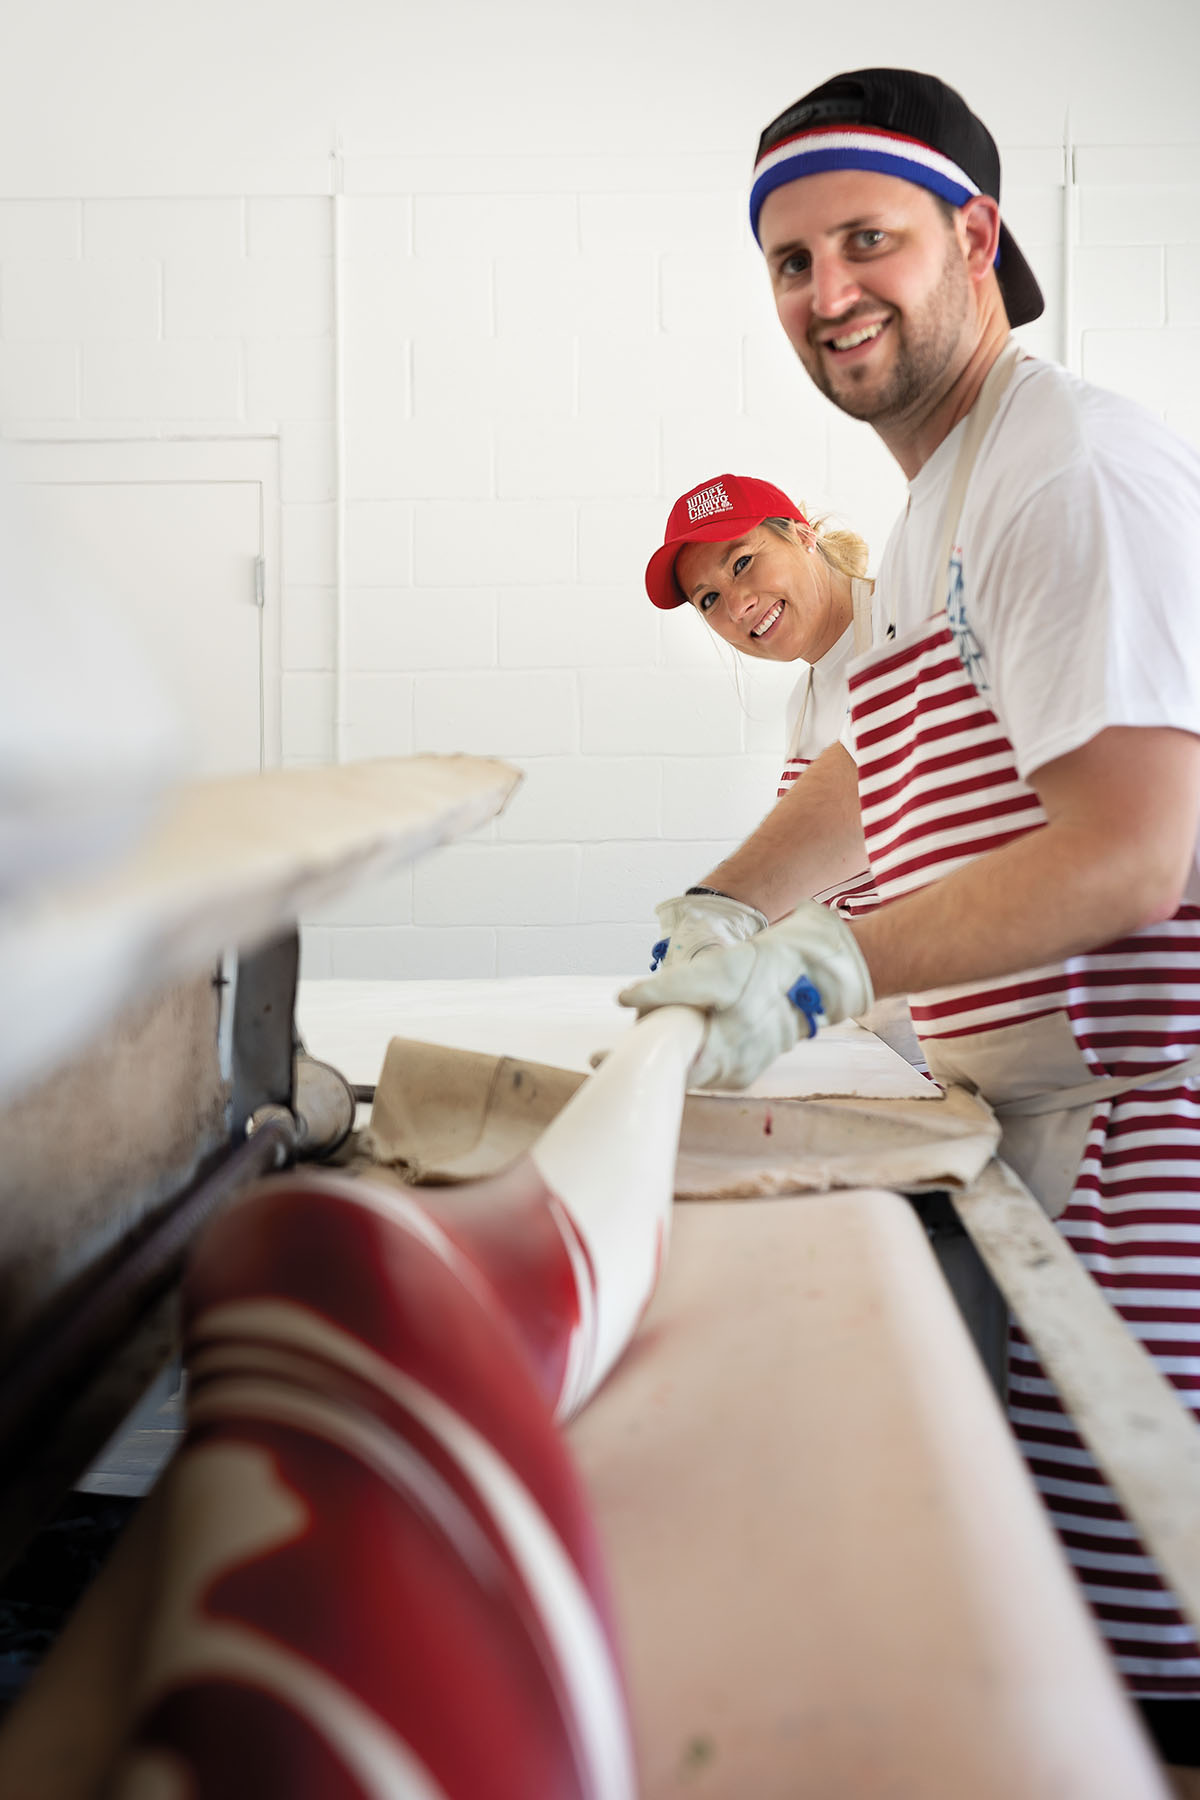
(871, 286)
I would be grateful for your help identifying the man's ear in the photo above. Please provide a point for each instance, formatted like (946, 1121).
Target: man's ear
(978, 225)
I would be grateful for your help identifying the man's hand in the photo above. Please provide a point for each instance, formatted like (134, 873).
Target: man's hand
(695, 922)
(747, 991)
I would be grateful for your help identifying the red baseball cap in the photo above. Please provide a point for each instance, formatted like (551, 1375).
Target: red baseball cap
(717, 511)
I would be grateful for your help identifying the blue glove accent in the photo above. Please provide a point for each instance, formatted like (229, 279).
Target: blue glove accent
(657, 953)
(805, 998)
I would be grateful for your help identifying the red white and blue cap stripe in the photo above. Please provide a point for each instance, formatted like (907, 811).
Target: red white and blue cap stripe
(824, 148)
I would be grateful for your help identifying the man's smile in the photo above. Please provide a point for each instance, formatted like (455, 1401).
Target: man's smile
(847, 339)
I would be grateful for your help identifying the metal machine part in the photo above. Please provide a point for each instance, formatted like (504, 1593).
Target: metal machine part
(983, 1307)
(109, 1170)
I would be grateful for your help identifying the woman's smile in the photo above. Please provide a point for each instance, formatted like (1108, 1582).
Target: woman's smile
(769, 620)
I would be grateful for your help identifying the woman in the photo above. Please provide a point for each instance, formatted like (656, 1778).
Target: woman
(774, 586)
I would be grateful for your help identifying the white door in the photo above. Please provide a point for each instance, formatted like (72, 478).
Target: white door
(175, 533)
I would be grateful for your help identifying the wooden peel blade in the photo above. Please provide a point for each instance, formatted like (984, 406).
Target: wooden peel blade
(229, 863)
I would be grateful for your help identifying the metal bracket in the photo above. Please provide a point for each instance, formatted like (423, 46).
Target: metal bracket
(263, 1029)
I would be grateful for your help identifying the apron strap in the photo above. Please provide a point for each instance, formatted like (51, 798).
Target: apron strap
(974, 430)
(860, 599)
(798, 730)
(1089, 1093)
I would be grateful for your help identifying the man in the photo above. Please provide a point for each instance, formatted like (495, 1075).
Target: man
(1023, 761)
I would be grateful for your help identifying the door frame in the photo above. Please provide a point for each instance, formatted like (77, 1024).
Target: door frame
(118, 462)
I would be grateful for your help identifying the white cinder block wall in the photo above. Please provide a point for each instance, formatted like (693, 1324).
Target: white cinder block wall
(552, 319)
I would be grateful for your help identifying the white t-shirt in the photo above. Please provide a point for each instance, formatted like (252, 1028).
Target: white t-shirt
(818, 704)
(1074, 583)
(816, 708)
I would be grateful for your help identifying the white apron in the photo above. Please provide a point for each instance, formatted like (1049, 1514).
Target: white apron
(1117, 1029)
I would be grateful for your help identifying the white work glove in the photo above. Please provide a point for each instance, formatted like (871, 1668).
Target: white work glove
(695, 922)
(763, 994)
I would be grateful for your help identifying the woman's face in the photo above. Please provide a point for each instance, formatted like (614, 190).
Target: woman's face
(766, 595)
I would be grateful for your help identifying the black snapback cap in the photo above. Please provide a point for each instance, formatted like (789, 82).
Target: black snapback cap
(897, 122)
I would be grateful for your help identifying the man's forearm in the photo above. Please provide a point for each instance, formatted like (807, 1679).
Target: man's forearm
(810, 840)
(1112, 858)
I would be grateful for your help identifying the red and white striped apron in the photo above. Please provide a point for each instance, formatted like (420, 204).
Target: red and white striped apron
(938, 787)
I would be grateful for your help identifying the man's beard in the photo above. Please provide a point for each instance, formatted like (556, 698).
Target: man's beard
(925, 346)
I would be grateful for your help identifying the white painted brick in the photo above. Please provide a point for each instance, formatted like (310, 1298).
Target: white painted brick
(386, 901)
(415, 628)
(316, 953)
(726, 796)
(378, 381)
(575, 294)
(722, 292)
(307, 630)
(55, 300)
(417, 295)
(653, 712)
(162, 381)
(1183, 284)
(493, 542)
(271, 298)
(622, 883)
(580, 798)
(701, 223)
(376, 228)
(443, 456)
(697, 445)
(497, 714)
(577, 627)
(1032, 165)
(551, 458)
(306, 461)
(379, 543)
(289, 378)
(687, 641)
(1034, 215)
(496, 224)
(636, 377)
(1136, 165)
(74, 431)
(300, 227)
(1119, 285)
(409, 953)
(616, 950)
(307, 534)
(776, 384)
(1159, 368)
(176, 227)
(1140, 215)
(379, 714)
(866, 480)
(489, 170)
(491, 884)
(615, 542)
(38, 229)
(520, 374)
(39, 381)
(306, 710)
(764, 688)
